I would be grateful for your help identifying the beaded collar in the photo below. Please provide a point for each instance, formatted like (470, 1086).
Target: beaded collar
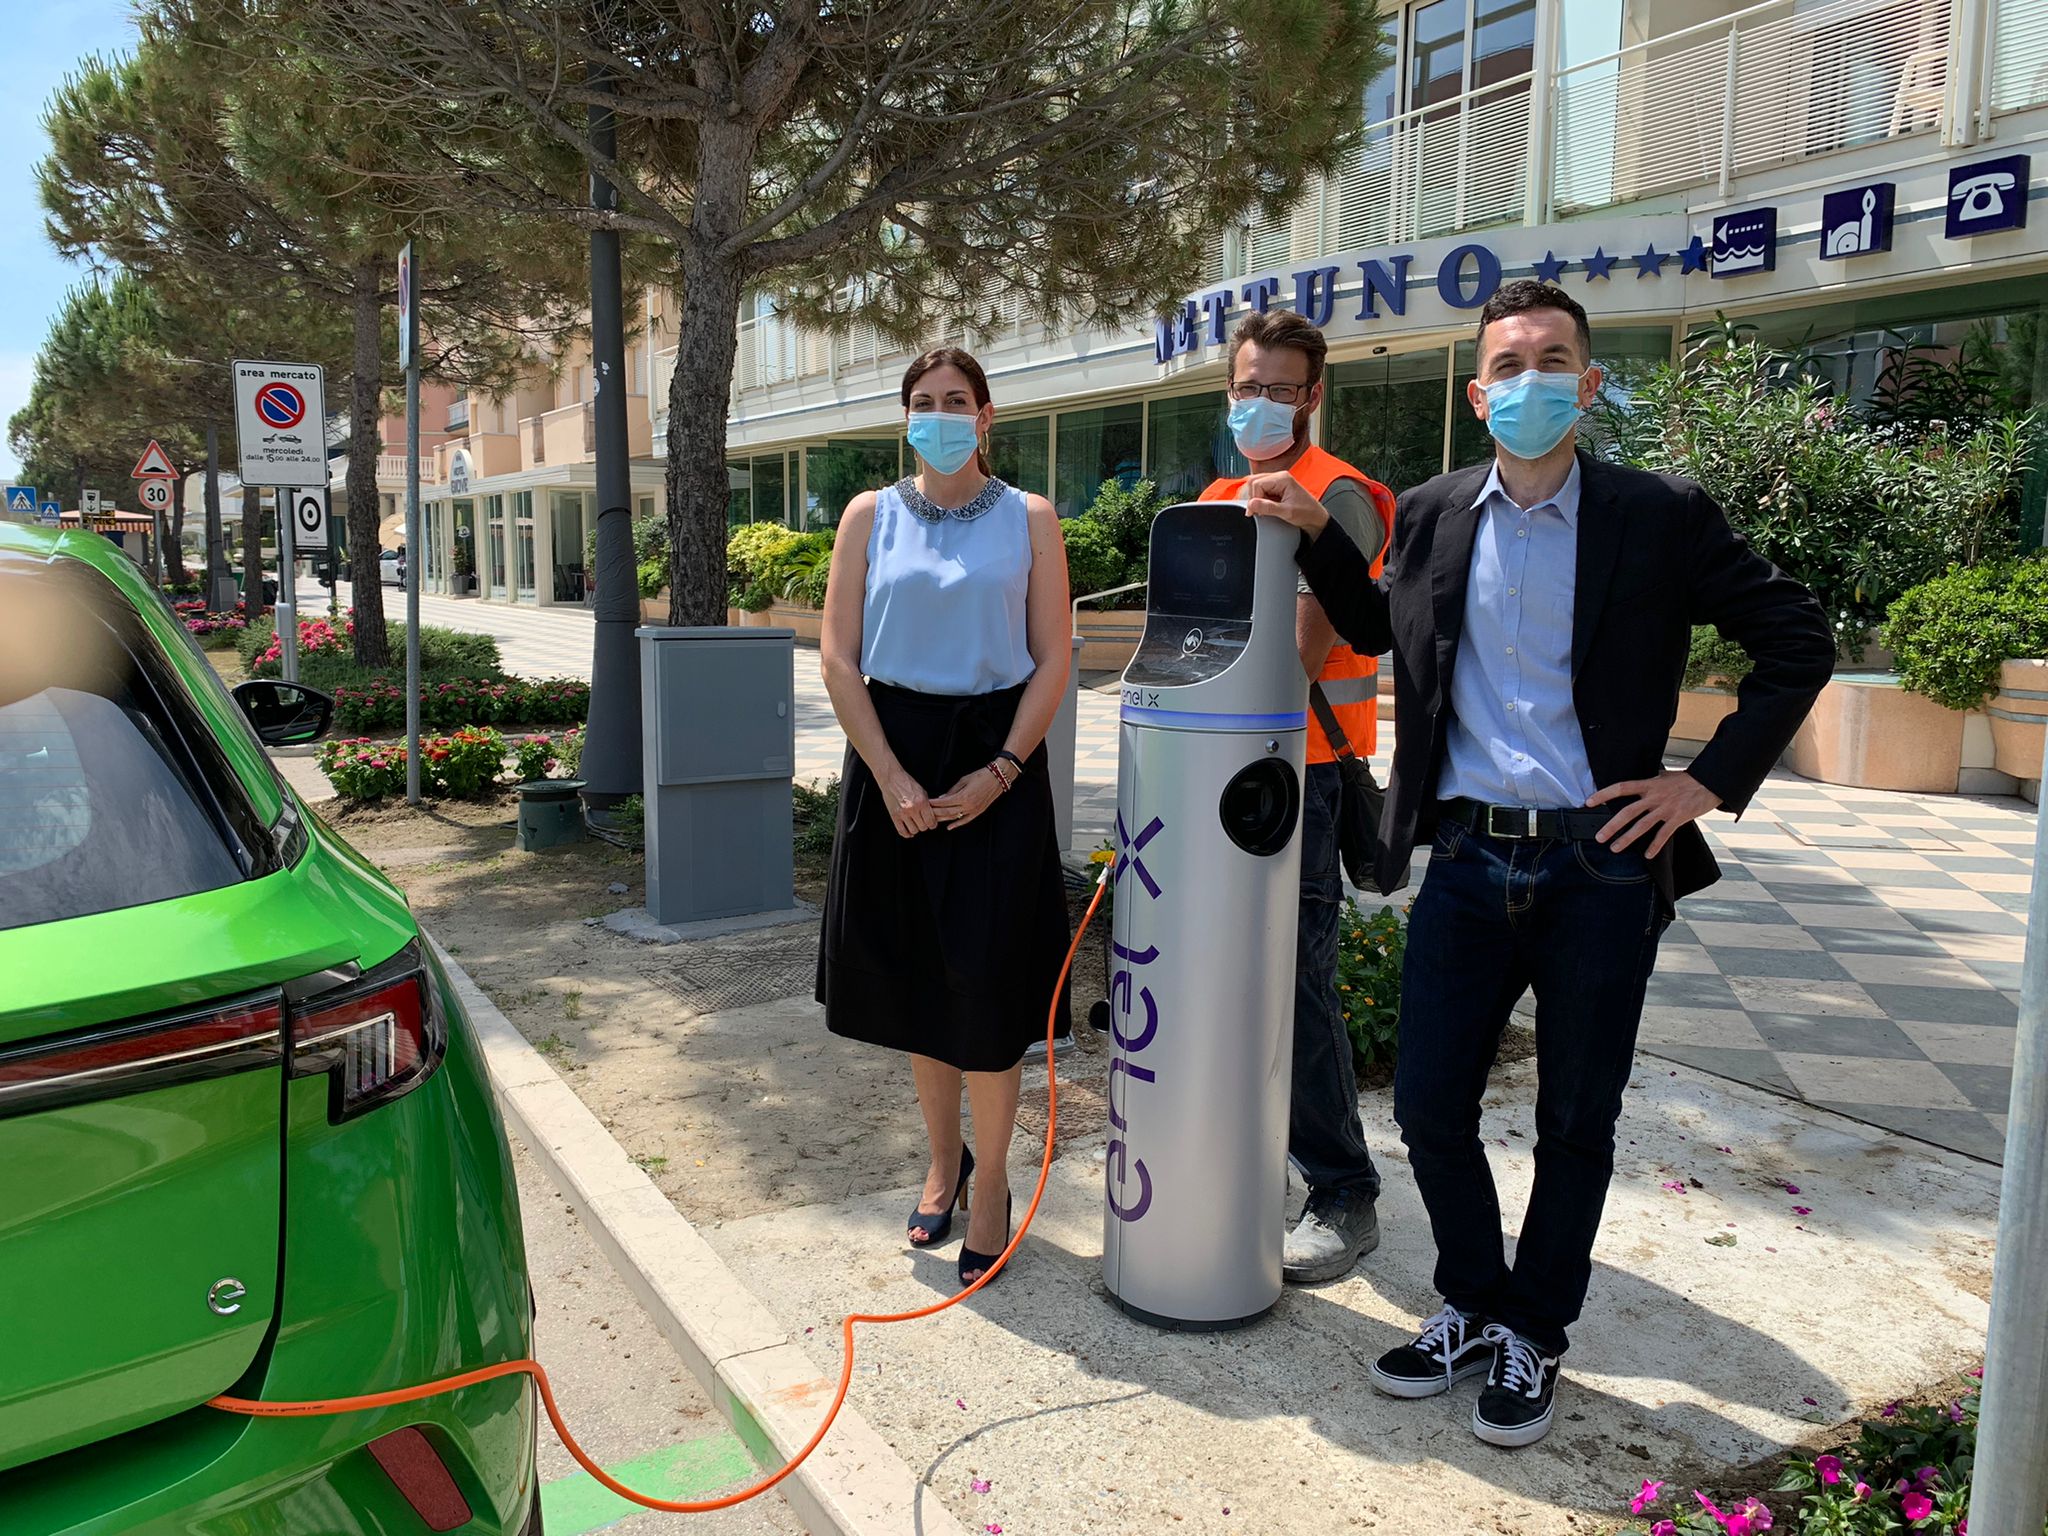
(984, 499)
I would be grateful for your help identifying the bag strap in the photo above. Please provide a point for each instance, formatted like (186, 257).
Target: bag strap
(1326, 717)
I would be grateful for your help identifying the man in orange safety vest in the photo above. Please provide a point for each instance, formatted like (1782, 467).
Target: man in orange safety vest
(1275, 386)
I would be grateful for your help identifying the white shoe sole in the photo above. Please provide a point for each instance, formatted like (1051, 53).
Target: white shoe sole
(1511, 1436)
(1398, 1386)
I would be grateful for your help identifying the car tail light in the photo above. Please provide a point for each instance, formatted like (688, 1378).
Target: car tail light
(109, 1061)
(376, 1038)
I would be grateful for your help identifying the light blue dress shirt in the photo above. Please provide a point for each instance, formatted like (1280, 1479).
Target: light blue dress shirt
(945, 611)
(1514, 733)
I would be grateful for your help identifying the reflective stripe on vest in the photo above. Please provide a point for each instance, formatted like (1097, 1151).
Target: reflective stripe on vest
(1349, 681)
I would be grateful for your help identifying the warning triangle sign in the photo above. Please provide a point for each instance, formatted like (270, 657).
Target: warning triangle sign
(154, 464)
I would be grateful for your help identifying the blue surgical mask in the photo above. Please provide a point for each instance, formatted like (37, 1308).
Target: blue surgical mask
(1261, 429)
(1531, 413)
(944, 442)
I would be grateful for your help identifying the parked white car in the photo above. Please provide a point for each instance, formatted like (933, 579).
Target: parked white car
(391, 568)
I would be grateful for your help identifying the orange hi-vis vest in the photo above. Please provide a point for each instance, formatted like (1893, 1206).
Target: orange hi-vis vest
(1350, 681)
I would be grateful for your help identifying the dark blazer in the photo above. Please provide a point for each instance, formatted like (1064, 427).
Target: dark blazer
(1655, 557)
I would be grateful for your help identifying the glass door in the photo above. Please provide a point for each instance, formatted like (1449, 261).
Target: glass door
(494, 551)
(565, 514)
(522, 544)
(462, 561)
(434, 574)
(1385, 415)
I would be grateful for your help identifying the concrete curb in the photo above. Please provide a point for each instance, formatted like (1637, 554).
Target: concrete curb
(854, 1484)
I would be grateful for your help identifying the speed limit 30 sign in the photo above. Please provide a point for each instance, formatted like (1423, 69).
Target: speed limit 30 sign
(155, 495)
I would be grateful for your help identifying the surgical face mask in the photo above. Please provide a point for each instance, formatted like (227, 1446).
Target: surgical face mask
(1262, 429)
(944, 442)
(1531, 413)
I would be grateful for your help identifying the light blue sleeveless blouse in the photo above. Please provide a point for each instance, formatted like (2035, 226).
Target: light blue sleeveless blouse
(944, 610)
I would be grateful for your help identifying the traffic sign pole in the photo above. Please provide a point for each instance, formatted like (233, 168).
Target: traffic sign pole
(287, 586)
(409, 354)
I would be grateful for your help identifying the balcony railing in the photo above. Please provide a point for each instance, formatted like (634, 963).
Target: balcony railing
(1767, 85)
(458, 414)
(1771, 84)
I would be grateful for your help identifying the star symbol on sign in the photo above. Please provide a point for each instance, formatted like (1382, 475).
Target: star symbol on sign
(1598, 263)
(1693, 258)
(1548, 269)
(1650, 263)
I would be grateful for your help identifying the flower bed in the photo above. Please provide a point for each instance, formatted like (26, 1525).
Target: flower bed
(1908, 1470)
(468, 764)
(380, 704)
(213, 631)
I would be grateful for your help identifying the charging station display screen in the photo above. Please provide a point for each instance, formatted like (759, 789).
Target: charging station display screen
(1202, 564)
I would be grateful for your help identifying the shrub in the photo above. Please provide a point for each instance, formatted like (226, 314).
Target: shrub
(569, 752)
(1094, 563)
(213, 631)
(464, 765)
(800, 570)
(362, 770)
(444, 653)
(1714, 660)
(749, 554)
(1857, 509)
(1949, 636)
(1126, 513)
(1369, 952)
(815, 812)
(379, 703)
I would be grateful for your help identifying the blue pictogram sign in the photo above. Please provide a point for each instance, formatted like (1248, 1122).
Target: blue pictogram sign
(21, 500)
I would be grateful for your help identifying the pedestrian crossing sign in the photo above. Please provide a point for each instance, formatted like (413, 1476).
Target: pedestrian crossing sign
(21, 500)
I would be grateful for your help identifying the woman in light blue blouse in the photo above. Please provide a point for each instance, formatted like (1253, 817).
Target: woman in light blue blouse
(945, 650)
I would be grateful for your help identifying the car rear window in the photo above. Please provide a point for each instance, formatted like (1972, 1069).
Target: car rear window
(112, 792)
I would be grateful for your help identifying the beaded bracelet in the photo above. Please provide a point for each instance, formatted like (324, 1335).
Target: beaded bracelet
(1000, 779)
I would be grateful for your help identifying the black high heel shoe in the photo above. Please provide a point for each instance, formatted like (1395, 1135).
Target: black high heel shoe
(981, 1262)
(938, 1225)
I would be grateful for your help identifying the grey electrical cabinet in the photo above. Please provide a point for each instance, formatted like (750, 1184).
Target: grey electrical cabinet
(718, 723)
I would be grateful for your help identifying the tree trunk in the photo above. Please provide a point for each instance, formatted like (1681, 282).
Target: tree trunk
(252, 555)
(699, 485)
(175, 545)
(365, 409)
(216, 555)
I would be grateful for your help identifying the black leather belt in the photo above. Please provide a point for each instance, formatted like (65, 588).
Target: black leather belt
(1518, 821)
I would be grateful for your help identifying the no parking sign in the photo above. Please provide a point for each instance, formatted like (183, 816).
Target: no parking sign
(281, 423)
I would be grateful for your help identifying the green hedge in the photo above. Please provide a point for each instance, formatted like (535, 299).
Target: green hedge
(447, 703)
(1948, 637)
(327, 659)
(1714, 660)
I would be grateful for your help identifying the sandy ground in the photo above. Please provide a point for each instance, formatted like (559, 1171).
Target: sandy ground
(731, 1112)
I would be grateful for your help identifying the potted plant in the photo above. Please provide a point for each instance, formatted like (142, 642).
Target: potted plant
(1977, 639)
(1714, 669)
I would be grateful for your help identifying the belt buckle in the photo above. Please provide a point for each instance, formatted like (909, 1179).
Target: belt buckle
(1496, 826)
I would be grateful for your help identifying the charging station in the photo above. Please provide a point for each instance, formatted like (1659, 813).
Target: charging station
(1208, 882)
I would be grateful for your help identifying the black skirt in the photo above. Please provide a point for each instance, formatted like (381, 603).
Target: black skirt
(949, 943)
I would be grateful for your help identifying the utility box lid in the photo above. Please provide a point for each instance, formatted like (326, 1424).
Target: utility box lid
(722, 704)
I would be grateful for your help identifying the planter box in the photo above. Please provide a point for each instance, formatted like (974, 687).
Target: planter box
(654, 610)
(1700, 713)
(808, 622)
(1870, 733)
(1109, 640)
(764, 619)
(2018, 714)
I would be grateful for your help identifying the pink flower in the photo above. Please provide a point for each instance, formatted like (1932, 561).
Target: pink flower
(1802, 1210)
(1674, 1185)
(980, 1485)
(1647, 1495)
(993, 1529)
(1916, 1507)
(1758, 1516)
(1978, 1373)
(1790, 1189)
(1955, 1413)
(1890, 1410)
(1926, 1477)
(1862, 1491)
(1664, 1528)
(1829, 1469)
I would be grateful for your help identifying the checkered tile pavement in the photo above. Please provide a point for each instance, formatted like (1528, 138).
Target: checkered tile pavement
(1861, 952)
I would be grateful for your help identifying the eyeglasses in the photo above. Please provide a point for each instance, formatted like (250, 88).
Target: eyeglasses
(1279, 394)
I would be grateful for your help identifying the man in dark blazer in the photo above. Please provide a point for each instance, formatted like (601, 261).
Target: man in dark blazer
(1539, 609)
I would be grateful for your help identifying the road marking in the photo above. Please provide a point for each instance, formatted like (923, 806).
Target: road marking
(579, 1504)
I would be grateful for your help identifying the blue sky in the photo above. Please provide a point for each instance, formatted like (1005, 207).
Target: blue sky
(44, 41)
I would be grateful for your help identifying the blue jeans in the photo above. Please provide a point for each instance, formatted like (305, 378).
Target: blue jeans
(1579, 925)
(1324, 1135)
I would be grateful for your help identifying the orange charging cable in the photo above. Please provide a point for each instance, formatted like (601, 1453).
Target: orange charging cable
(257, 1408)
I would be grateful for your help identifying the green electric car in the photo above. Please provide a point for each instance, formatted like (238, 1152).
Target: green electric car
(247, 1146)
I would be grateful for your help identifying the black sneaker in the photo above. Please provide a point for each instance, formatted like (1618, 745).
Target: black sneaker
(1338, 1227)
(1450, 1347)
(1515, 1406)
